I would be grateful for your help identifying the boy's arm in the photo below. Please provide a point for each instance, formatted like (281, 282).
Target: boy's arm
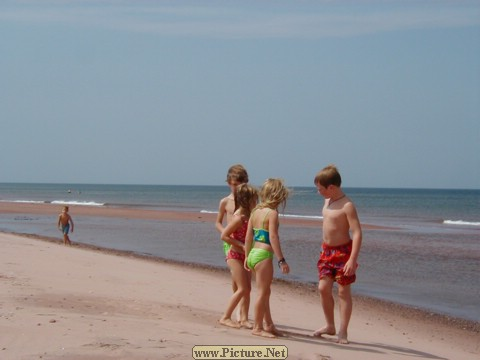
(71, 223)
(356, 233)
(221, 213)
(59, 220)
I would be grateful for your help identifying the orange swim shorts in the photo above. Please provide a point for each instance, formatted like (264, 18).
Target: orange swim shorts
(332, 261)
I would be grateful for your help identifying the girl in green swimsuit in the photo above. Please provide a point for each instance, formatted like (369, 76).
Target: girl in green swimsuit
(261, 243)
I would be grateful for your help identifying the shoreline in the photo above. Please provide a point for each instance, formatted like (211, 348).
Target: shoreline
(409, 312)
(7, 207)
(85, 302)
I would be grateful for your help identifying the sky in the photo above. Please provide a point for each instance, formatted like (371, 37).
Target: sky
(174, 92)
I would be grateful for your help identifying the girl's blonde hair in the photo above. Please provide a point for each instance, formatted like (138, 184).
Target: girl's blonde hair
(273, 194)
(243, 196)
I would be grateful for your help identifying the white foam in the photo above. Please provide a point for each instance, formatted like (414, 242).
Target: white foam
(311, 217)
(461, 222)
(24, 201)
(81, 203)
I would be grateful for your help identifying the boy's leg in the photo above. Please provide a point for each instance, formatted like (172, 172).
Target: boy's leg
(325, 286)
(345, 301)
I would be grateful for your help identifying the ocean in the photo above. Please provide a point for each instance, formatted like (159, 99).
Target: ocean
(428, 258)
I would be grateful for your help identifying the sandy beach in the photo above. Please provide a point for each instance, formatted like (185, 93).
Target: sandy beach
(82, 302)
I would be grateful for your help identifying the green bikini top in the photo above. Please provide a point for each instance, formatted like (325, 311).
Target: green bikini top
(262, 235)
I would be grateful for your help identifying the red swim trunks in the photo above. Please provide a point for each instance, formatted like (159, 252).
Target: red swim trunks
(232, 254)
(331, 263)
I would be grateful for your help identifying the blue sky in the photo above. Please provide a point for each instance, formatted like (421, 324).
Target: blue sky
(174, 92)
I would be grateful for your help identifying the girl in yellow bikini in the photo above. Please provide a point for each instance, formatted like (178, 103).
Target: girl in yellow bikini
(261, 243)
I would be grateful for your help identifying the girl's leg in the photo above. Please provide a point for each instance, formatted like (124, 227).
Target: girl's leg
(245, 301)
(325, 286)
(269, 325)
(243, 290)
(264, 277)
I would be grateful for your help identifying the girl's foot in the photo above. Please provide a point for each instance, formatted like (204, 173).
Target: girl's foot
(342, 338)
(246, 324)
(261, 332)
(326, 330)
(229, 323)
(273, 330)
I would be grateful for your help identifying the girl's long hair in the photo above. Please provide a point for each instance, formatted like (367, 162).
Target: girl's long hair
(244, 194)
(273, 194)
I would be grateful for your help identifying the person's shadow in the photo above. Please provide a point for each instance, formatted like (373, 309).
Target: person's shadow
(306, 336)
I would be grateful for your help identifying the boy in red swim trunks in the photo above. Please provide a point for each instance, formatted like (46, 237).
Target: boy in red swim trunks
(342, 238)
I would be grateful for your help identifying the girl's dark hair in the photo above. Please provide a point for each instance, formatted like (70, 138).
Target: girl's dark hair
(243, 196)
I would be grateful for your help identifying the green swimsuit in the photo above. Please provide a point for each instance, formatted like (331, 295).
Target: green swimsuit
(257, 255)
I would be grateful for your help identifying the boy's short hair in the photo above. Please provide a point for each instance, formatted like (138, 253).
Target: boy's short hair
(237, 173)
(329, 175)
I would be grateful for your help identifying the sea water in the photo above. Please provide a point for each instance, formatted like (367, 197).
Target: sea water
(429, 257)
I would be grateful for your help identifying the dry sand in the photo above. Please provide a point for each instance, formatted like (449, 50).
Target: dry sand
(78, 303)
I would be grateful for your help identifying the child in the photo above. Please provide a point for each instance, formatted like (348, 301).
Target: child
(262, 233)
(65, 224)
(236, 175)
(234, 234)
(342, 238)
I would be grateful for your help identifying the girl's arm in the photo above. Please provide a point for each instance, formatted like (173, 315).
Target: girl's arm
(230, 229)
(248, 242)
(275, 241)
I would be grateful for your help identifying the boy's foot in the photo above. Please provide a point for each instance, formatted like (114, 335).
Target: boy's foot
(342, 338)
(326, 330)
(263, 333)
(229, 323)
(246, 324)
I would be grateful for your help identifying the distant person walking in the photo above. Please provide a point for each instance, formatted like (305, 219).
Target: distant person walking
(65, 225)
